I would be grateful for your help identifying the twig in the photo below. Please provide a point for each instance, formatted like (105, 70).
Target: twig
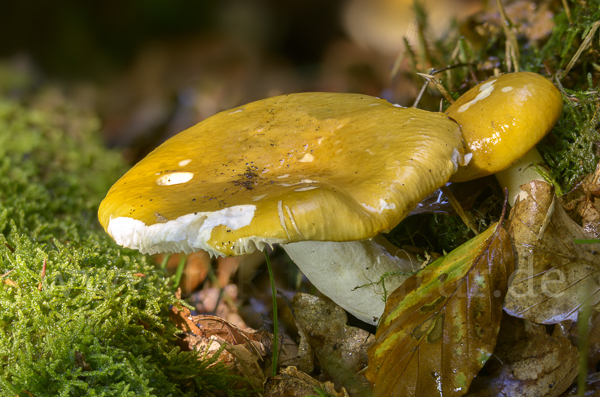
(582, 47)
(438, 84)
(420, 94)
(459, 210)
(567, 10)
(512, 52)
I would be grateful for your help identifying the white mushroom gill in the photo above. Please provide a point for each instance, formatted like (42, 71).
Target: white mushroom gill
(187, 233)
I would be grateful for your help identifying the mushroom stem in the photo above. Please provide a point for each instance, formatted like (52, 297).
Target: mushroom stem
(521, 172)
(352, 273)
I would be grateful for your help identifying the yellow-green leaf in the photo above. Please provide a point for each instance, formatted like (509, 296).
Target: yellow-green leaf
(440, 326)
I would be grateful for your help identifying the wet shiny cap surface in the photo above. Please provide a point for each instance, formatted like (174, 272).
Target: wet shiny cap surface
(502, 119)
(311, 166)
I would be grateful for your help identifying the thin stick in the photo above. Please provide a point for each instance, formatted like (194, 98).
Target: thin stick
(275, 325)
(567, 10)
(582, 47)
(510, 36)
(459, 210)
(438, 84)
(420, 94)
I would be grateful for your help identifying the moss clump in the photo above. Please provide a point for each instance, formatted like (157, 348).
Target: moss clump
(573, 149)
(97, 323)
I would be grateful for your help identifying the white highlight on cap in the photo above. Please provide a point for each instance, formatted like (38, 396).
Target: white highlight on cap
(383, 205)
(484, 91)
(307, 158)
(256, 198)
(507, 89)
(175, 178)
(303, 189)
(183, 163)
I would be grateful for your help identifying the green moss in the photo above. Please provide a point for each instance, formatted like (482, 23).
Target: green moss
(97, 324)
(573, 149)
(53, 171)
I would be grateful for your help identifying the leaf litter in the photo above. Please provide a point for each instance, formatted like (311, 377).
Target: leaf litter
(440, 326)
(245, 352)
(341, 350)
(555, 276)
(527, 362)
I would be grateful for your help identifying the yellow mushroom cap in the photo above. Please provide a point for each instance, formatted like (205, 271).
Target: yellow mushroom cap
(502, 119)
(311, 166)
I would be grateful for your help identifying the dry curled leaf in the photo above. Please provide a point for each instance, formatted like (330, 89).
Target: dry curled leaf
(440, 326)
(582, 203)
(244, 351)
(554, 276)
(293, 383)
(530, 363)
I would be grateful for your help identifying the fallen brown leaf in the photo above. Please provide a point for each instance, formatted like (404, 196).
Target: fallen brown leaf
(554, 276)
(247, 352)
(293, 383)
(440, 326)
(243, 353)
(532, 363)
(582, 203)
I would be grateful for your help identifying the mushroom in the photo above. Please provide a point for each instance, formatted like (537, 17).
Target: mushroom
(320, 173)
(502, 119)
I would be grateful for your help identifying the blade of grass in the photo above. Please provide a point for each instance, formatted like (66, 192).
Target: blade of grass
(275, 325)
(165, 260)
(583, 328)
(179, 272)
